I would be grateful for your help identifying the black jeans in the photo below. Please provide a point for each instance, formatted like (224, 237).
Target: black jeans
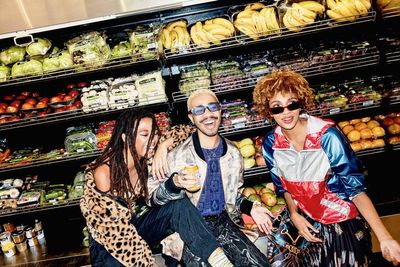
(159, 222)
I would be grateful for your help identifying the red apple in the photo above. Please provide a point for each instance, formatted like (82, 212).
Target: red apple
(71, 86)
(11, 109)
(55, 99)
(21, 97)
(3, 105)
(387, 121)
(16, 103)
(61, 109)
(9, 97)
(13, 118)
(397, 120)
(71, 107)
(41, 104)
(3, 120)
(44, 100)
(77, 103)
(2, 110)
(62, 94)
(31, 101)
(25, 93)
(35, 94)
(27, 106)
(43, 113)
(73, 93)
(67, 98)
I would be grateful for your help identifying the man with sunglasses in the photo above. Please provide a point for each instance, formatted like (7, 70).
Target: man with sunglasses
(221, 175)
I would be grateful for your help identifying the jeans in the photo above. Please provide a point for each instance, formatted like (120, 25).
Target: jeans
(161, 221)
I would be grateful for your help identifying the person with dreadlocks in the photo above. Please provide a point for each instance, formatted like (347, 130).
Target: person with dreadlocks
(116, 182)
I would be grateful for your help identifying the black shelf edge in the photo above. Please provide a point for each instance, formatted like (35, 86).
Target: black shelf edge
(38, 208)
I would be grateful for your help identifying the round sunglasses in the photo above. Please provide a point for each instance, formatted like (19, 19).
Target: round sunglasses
(292, 106)
(199, 110)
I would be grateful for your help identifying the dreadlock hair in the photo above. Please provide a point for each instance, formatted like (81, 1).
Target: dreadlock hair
(113, 155)
(284, 81)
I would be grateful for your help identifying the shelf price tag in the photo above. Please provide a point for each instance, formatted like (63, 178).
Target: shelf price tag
(334, 110)
(368, 103)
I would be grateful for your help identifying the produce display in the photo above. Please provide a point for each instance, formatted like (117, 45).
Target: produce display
(256, 20)
(298, 15)
(265, 195)
(388, 6)
(347, 10)
(194, 76)
(57, 60)
(175, 36)
(391, 123)
(143, 41)
(238, 114)
(80, 139)
(211, 31)
(247, 150)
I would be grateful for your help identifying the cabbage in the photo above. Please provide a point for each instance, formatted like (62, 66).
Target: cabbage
(61, 61)
(122, 49)
(4, 73)
(30, 67)
(39, 46)
(12, 54)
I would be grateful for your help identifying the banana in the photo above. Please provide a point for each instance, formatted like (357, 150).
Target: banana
(336, 16)
(248, 21)
(220, 37)
(224, 22)
(346, 12)
(166, 39)
(174, 40)
(331, 4)
(287, 21)
(261, 28)
(367, 4)
(196, 39)
(200, 32)
(392, 6)
(270, 18)
(304, 11)
(246, 29)
(313, 6)
(208, 22)
(362, 10)
(181, 36)
(245, 13)
(350, 4)
(179, 23)
(211, 38)
(382, 3)
(217, 29)
(254, 6)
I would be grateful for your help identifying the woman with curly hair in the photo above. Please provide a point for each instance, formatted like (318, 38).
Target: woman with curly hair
(122, 233)
(320, 177)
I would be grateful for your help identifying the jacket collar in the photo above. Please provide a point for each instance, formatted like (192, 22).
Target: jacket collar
(199, 150)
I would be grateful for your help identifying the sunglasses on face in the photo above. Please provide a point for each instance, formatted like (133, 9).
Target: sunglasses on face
(292, 106)
(199, 110)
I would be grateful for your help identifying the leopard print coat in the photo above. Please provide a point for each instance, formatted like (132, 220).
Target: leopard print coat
(108, 223)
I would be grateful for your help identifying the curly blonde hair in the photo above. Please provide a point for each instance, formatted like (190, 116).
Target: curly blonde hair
(283, 81)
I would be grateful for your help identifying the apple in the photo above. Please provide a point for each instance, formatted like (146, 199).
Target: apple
(397, 120)
(61, 109)
(248, 191)
(3, 120)
(35, 94)
(41, 104)
(73, 93)
(13, 118)
(55, 99)
(71, 86)
(27, 105)
(44, 100)
(21, 97)
(70, 107)
(42, 113)
(11, 109)
(387, 121)
(77, 103)
(3, 105)
(61, 94)
(16, 103)
(269, 199)
(31, 101)
(9, 97)
(67, 98)
(25, 93)
(2, 110)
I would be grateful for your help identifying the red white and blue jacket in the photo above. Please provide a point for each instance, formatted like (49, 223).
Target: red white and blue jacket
(323, 177)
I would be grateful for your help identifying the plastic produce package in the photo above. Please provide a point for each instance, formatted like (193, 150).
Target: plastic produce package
(4, 73)
(80, 139)
(12, 54)
(151, 88)
(143, 40)
(57, 61)
(38, 47)
(123, 93)
(24, 68)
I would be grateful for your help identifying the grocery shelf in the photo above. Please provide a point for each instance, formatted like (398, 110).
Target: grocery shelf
(369, 58)
(77, 114)
(67, 157)
(255, 171)
(352, 107)
(245, 127)
(392, 57)
(38, 208)
(392, 13)
(77, 70)
(242, 40)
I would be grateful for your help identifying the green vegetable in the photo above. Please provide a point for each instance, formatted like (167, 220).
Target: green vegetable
(122, 49)
(12, 54)
(31, 67)
(61, 61)
(39, 46)
(4, 73)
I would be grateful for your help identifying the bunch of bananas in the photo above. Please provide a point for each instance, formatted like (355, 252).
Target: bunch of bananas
(175, 36)
(257, 20)
(347, 10)
(301, 14)
(212, 31)
(388, 6)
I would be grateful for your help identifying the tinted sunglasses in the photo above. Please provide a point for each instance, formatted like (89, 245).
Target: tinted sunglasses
(199, 110)
(292, 106)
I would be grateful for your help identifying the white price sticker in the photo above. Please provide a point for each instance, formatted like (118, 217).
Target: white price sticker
(334, 110)
(368, 103)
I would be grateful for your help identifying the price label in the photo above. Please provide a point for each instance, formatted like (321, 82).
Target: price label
(368, 103)
(334, 110)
